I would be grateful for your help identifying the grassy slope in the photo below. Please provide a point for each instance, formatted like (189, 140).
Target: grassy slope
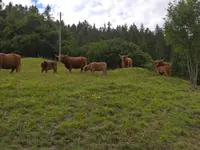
(129, 108)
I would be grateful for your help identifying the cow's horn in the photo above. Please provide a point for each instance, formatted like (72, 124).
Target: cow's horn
(163, 59)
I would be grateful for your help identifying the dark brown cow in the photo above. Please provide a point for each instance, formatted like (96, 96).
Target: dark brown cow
(126, 62)
(72, 62)
(162, 68)
(96, 66)
(48, 65)
(10, 61)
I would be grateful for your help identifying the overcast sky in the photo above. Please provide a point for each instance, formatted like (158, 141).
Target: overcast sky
(118, 12)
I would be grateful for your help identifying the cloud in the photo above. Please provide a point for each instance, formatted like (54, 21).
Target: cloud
(118, 12)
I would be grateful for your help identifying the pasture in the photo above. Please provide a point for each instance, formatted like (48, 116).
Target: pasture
(128, 109)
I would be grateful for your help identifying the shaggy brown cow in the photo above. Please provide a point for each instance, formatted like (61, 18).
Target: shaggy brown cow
(48, 65)
(163, 70)
(72, 62)
(10, 61)
(162, 67)
(96, 66)
(126, 62)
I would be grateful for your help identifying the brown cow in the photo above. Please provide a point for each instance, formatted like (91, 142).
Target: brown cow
(96, 66)
(162, 67)
(72, 62)
(10, 61)
(126, 62)
(48, 65)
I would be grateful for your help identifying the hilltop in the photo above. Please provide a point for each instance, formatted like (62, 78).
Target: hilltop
(128, 109)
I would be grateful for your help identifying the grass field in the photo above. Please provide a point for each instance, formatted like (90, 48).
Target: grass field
(128, 109)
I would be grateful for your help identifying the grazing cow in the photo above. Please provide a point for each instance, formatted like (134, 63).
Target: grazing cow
(162, 67)
(10, 61)
(72, 62)
(96, 66)
(126, 62)
(48, 65)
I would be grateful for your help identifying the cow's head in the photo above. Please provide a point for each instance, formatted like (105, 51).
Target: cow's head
(44, 64)
(86, 68)
(60, 58)
(157, 63)
(123, 57)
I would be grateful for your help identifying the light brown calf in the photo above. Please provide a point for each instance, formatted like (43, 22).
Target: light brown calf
(96, 66)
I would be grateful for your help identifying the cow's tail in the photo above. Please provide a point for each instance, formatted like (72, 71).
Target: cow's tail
(20, 63)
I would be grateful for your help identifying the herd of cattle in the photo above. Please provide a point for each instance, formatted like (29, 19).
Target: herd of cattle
(13, 61)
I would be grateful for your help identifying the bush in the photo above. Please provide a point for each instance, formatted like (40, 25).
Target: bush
(109, 50)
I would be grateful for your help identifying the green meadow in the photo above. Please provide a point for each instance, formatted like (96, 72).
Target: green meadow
(128, 109)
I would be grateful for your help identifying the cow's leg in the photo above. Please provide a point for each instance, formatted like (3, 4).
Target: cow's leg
(166, 73)
(92, 71)
(70, 70)
(81, 69)
(105, 71)
(169, 73)
(17, 69)
(12, 70)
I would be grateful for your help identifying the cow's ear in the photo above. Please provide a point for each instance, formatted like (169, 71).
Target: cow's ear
(56, 57)
(163, 59)
(45, 63)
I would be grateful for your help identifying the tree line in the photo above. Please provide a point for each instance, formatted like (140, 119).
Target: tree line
(25, 31)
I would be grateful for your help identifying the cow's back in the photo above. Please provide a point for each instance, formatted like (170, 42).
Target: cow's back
(98, 66)
(11, 61)
(75, 62)
(51, 65)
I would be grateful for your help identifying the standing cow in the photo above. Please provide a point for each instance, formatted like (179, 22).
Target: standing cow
(162, 68)
(48, 65)
(126, 62)
(10, 61)
(72, 62)
(96, 66)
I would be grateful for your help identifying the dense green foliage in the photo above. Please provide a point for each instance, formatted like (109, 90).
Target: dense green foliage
(128, 109)
(26, 31)
(182, 28)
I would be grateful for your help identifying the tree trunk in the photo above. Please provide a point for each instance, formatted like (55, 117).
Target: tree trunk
(193, 71)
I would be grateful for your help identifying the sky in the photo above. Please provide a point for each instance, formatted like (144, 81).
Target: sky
(118, 12)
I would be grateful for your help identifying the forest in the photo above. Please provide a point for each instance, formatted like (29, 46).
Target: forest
(25, 31)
